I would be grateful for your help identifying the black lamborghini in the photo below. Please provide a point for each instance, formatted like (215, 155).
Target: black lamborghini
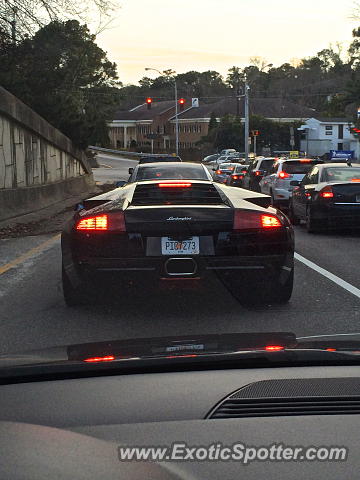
(172, 222)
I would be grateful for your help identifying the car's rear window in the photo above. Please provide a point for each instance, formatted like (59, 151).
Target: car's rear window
(265, 164)
(159, 159)
(340, 174)
(297, 167)
(159, 172)
(240, 169)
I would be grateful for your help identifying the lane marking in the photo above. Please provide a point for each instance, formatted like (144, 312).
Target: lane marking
(28, 254)
(105, 165)
(334, 278)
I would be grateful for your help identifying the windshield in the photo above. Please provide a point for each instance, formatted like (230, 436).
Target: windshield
(341, 174)
(119, 218)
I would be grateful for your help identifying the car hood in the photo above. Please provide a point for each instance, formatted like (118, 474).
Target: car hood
(180, 346)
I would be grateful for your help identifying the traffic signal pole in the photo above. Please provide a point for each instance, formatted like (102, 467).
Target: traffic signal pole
(247, 121)
(176, 120)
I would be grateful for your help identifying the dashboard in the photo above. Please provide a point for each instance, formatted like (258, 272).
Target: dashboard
(73, 428)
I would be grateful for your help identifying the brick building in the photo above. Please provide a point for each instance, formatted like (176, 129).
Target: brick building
(134, 125)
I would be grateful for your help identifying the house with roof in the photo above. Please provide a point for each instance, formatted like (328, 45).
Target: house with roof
(134, 126)
(321, 135)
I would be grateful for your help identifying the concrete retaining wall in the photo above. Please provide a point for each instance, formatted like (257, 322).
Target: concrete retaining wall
(38, 164)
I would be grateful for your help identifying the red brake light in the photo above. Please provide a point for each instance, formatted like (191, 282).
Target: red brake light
(274, 348)
(175, 185)
(257, 173)
(108, 358)
(283, 175)
(326, 193)
(99, 222)
(235, 177)
(355, 179)
(218, 172)
(305, 160)
(244, 220)
(330, 349)
(114, 222)
(270, 221)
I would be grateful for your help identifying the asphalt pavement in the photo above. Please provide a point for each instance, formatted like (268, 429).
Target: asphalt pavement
(326, 296)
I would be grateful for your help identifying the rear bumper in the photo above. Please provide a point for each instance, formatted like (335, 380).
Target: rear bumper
(338, 216)
(199, 267)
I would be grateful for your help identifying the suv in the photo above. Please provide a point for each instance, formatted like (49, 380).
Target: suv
(277, 182)
(258, 167)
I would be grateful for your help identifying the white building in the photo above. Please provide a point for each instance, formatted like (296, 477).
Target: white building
(324, 134)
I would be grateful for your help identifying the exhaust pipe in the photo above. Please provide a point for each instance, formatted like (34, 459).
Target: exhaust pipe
(180, 267)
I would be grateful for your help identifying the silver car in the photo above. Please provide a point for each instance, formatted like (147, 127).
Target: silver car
(277, 182)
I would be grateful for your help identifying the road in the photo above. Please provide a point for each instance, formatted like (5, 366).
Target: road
(33, 313)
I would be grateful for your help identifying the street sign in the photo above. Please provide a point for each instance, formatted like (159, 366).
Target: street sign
(195, 102)
(358, 113)
(294, 154)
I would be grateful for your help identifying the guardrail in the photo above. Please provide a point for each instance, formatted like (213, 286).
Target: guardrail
(117, 152)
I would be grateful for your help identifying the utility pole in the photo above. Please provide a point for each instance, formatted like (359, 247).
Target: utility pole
(176, 119)
(255, 137)
(247, 122)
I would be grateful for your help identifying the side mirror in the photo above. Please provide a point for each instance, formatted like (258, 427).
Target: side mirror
(120, 183)
(214, 169)
(294, 183)
(131, 171)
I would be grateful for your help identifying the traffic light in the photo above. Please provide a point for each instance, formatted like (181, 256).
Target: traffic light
(255, 133)
(182, 103)
(149, 102)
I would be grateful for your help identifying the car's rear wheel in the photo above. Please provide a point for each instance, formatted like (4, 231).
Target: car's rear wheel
(311, 225)
(291, 214)
(270, 290)
(72, 296)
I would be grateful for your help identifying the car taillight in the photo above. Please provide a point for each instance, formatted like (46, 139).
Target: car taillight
(257, 173)
(270, 221)
(108, 358)
(244, 220)
(99, 222)
(326, 192)
(114, 222)
(175, 184)
(283, 175)
(218, 172)
(274, 348)
(235, 177)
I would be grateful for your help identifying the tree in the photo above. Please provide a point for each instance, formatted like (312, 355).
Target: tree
(26, 16)
(63, 75)
(213, 123)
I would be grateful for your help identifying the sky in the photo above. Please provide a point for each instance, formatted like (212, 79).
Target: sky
(216, 34)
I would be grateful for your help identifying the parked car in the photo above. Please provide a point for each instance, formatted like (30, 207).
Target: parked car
(258, 167)
(277, 182)
(235, 179)
(222, 173)
(327, 197)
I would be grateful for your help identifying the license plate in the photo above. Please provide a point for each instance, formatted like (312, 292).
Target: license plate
(358, 198)
(190, 246)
